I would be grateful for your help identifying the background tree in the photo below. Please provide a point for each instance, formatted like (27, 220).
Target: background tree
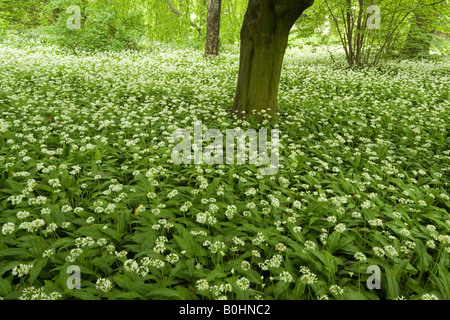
(22, 15)
(213, 28)
(365, 46)
(424, 24)
(105, 25)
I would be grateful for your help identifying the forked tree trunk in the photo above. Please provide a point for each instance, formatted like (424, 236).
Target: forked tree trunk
(264, 37)
(213, 29)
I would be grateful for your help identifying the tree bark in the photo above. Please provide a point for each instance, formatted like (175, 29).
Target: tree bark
(419, 37)
(264, 37)
(213, 29)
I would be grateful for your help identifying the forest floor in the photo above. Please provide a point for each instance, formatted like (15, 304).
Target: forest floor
(87, 180)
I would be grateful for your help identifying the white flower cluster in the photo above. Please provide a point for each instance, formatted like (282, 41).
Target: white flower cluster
(307, 276)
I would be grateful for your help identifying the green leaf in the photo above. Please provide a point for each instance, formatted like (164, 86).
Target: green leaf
(5, 287)
(119, 295)
(8, 266)
(392, 289)
(168, 294)
(15, 252)
(280, 288)
(190, 266)
(217, 273)
(333, 241)
(328, 260)
(299, 289)
(37, 268)
(143, 288)
(186, 243)
(399, 268)
(354, 295)
(123, 281)
(423, 258)
(252, 275)
(83, 294)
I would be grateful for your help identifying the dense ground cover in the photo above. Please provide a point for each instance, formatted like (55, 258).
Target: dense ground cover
(87, 180)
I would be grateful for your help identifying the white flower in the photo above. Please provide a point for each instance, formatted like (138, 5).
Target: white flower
(21, 270)
(431, 244)
(405, 232)
(8, 228)
(309, 245)
(46, 211)
(428, 296)
(243, 283)
(422, 203)
(307, 276)
(104, 285)
(172, 258)
(131, 266)
(47, 253)
(32, 293)
(340, 228)
(444, 239)
(22, 214)
(245, 265)
(297, 204)
(332, 219)
(375, 222)
(390, 250)
(172, 194)
(360, 256)
(286, 277)
(366, 204)
(379, 252)
(202, 285)
(336, 290)
(280, 247)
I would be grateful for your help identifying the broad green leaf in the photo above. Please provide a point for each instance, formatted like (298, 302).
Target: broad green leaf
(39, 264)
(299, 289)
(15, 252)
(169, 294)
(281, 287)
(5, 287)
(82, 294)
(392, 289)
(123, 281)
(354, 295)
(333, 241)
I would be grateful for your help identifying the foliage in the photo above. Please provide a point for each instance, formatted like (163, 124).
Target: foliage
(186, 22)
(429, 26)
(367, 46)
(22, 15)
(87, 180)
(119, 24)
(104, 25)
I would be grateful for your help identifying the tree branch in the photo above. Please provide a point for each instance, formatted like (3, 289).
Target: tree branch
(171, 7)
(178, 13)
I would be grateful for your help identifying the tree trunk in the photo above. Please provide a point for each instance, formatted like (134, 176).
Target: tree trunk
(419, 37)
(264, 37)
(213, 29)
